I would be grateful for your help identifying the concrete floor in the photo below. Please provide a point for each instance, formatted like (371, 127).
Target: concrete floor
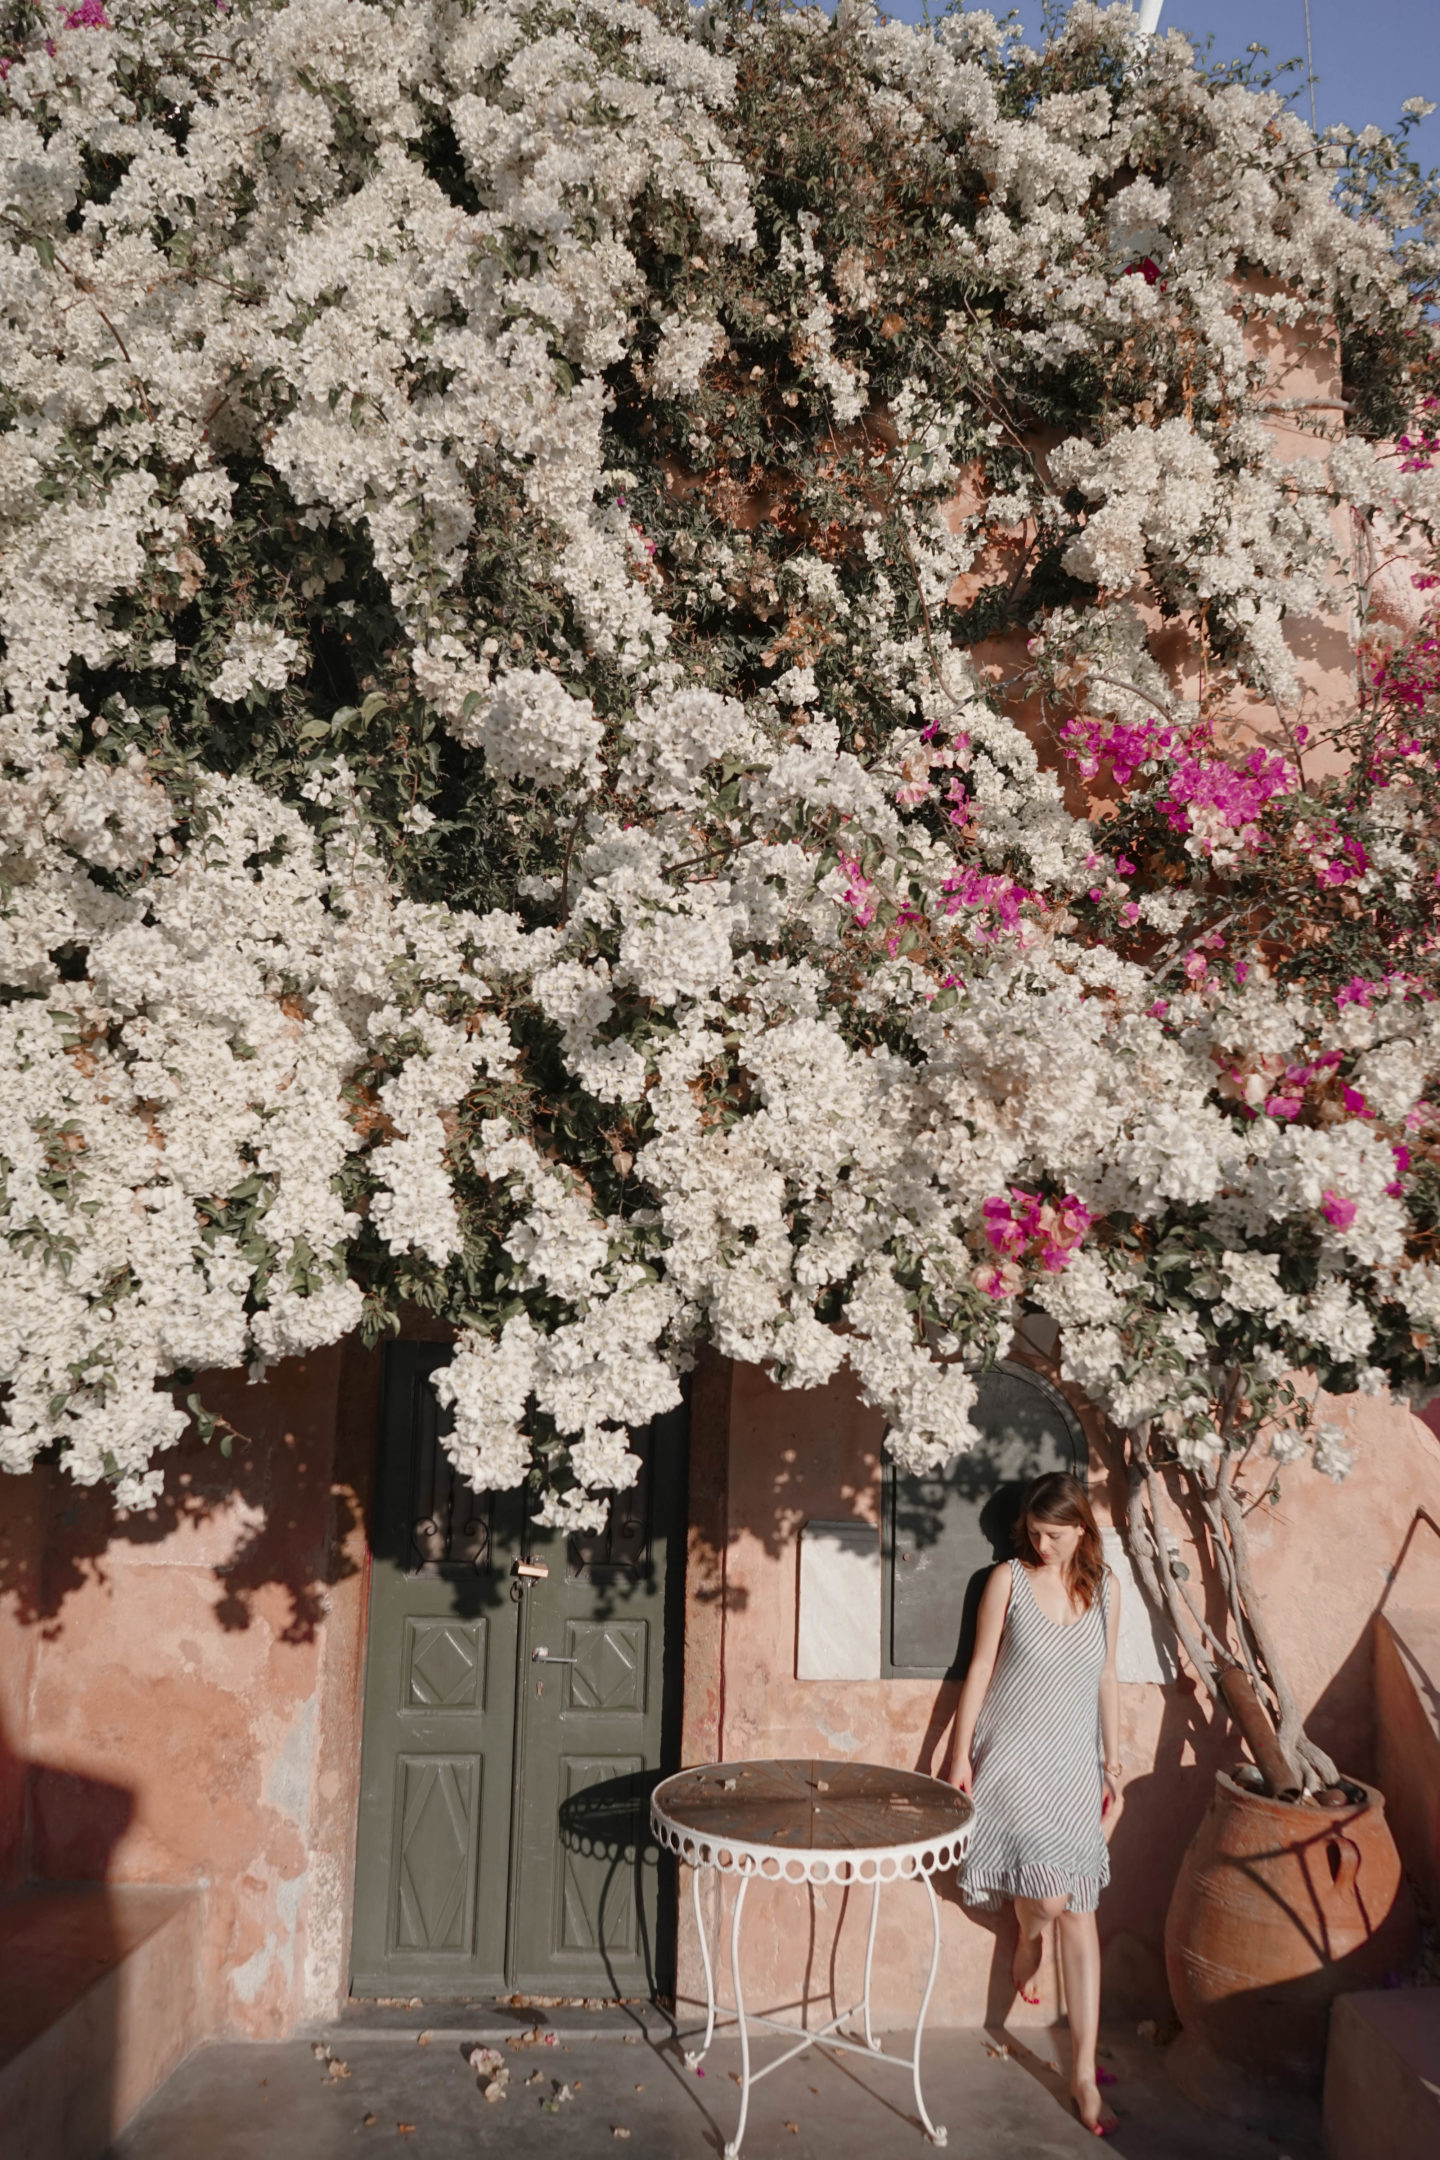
(281, 2102)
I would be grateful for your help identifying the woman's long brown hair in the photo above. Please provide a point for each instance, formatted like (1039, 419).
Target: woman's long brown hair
(1061, 1502)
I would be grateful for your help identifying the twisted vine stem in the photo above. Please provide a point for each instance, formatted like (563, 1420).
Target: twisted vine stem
(1221, 1540)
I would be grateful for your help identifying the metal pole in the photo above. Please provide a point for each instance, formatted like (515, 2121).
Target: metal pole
(694, 2056)
(733, 2148)
(936, 2130)
(1310, 69)
(870, 2040)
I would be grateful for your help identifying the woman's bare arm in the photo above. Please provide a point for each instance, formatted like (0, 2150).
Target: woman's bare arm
(1110, 1705)
(990, 1622)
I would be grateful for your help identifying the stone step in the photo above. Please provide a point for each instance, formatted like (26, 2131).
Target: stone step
(1382, 2076)
(100, 1999)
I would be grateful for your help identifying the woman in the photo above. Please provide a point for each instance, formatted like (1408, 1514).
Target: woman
(1037, 1748)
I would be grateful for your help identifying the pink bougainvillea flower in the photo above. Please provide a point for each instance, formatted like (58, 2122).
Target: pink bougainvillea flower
(1338, 1211)
(1212, 798)
(1024, 1225)
(1123, 746)
(1284, 1107)
(858, 893)
(1005, 1234)
(1351, 862)
(1355, 1103)
(996, 901)
(998, 1282)
(90, 15)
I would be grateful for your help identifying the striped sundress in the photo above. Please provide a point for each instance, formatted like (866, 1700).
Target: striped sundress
(1037, 1757)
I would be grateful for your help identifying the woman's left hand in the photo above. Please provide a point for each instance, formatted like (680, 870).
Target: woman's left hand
(1112, 1803)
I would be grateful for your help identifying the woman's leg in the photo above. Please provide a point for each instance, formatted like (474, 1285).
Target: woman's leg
(1080, 1965)
(1032, 1917)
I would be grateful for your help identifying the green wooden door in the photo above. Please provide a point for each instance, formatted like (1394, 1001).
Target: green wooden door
(502, 1810)
(585, 1908)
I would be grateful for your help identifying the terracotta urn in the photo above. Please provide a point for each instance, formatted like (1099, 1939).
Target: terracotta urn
(1279, 1907)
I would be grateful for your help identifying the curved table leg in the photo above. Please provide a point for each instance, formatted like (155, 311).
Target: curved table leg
(935, 2130)
(695, 2055)
(733, 2148)
(870, 2040)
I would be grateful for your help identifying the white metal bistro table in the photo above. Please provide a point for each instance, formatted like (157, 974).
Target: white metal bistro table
(811, 1822)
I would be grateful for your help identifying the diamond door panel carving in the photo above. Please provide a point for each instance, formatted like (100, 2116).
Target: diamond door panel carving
(437, 1812)
(444, 1665)
(609, 1669)
(597, 1878)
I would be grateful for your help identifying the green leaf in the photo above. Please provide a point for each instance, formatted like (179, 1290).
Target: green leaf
(205, 1420)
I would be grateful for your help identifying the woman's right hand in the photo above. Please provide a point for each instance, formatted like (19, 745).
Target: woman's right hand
(962, 1773)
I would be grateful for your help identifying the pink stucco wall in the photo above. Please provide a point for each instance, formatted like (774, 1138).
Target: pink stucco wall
(181, 1690)
(1323, 1557)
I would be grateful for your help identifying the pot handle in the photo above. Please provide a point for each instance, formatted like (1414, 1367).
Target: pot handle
(1342, 1858)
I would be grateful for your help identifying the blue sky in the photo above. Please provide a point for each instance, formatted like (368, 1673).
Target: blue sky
(1370, 55)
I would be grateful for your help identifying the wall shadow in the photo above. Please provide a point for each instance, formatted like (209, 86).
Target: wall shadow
(268, 1516)
(58, 1939)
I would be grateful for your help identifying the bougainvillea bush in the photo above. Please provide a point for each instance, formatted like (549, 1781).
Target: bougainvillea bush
(593, 737)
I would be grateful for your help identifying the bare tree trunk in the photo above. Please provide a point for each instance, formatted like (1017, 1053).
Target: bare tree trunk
(1294, 1741)
(1152, 1560)
(1254, 1650)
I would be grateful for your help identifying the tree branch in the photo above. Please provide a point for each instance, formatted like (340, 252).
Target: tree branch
(1154, 1566)
(1294, 1742)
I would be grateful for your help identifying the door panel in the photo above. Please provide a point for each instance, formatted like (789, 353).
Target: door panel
(432, 1904)
(609, 1670)
(503, 1836)
(587, 1899)
(444, 1665)
(596, 1899)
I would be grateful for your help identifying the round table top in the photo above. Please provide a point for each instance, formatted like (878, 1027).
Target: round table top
(742, 1814)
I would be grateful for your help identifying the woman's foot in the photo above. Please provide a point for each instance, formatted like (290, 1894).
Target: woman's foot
(1025, 1965)
(1091, 2109)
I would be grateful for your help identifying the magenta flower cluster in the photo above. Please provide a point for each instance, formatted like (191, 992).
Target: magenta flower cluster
(1419, 451)
(999, 896)
(1288, 1099)
(1123, 745)
(1202, 792)
(1235, 795)
(1338, 1212)
(1027, 1227)
(859, 893)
